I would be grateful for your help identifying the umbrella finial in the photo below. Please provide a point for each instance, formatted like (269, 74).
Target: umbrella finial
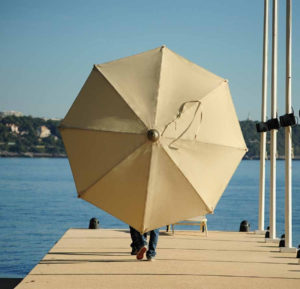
(153, 135)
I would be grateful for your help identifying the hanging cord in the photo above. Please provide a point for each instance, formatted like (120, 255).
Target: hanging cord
(180, 111)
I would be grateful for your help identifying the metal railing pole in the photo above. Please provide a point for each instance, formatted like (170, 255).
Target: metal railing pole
(288, 129)
(261, 210)
(273, 145)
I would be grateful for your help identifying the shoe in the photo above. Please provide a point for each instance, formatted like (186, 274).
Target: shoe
(150, 258)
(140, 253)
(134, 251)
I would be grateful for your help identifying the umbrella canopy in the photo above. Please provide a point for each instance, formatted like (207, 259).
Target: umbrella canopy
(153, 139)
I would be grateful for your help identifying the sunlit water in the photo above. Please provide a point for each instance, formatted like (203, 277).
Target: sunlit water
(38, 204)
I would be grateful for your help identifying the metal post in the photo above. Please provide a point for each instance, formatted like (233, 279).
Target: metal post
(261, 212)
(288, 134)
(273, 145)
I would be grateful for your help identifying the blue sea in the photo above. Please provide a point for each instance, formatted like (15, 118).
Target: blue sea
(38, 203)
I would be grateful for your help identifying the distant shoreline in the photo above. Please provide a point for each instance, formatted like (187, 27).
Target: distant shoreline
(48, 155)
(30, 155)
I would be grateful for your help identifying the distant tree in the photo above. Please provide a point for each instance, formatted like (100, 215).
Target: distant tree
(33, 149)
(19, 147)
(4, 147)
(3, 132)
(52, 150)
(11, 119)
(53, 126)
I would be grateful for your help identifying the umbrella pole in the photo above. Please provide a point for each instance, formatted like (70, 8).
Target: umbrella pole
(261, 211)
(288, 134)
(273, 148)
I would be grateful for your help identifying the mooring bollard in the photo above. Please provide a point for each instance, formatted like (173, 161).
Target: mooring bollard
(94, 223)
(282, 241)
(298, 254)
(267, 235)
(244, 226)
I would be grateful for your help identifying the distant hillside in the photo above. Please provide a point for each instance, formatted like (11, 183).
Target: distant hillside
(37, 137)
(28, 136)
(252, 139)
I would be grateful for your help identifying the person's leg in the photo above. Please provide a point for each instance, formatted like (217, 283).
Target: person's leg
(151, 253)
(139, 241)
(145, 237)
(133, 239)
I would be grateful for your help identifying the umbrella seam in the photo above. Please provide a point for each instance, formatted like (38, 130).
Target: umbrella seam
(100, 130)
(196, 65)
(226, 81)
(217, 86)
(80, 194)
(225, 185)
(222, 80)
(148, 182)
(159, 82)
(217, 200)
(194, 189)
(105, 210)
(241, 148)
(97, 67)
(208, 143)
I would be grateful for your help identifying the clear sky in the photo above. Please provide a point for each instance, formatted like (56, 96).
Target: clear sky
(47, 48)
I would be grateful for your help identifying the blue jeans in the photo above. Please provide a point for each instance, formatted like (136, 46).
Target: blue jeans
(139, 241)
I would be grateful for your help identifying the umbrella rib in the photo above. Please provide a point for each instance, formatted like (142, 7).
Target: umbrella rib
(209, 209)
(148, 182)
(159, 82)
(209, 143)
(217, 86)
(99, 130)
(80, 194)
(97, 67)
(104, 209)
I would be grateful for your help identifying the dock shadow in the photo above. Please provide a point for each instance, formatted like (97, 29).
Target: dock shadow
(283, 257)
(78, 261)
(90, 253)
(214, 249)
(170, 274)
(219, 261)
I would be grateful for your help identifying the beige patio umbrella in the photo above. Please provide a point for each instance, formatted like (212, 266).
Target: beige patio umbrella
(153, 139)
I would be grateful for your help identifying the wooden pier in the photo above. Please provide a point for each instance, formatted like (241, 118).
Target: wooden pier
(101, 258)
